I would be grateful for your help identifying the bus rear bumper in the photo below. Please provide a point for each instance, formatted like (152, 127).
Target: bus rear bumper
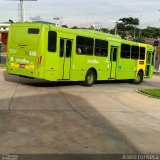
(23, 72)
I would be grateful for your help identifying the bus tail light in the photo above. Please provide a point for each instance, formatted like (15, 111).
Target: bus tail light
(40, 59)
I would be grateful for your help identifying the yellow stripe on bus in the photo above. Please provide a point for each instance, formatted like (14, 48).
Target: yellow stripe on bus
(142, 63)
(15, 65)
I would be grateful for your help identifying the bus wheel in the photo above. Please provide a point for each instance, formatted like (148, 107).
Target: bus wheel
(89, 79)
(139, 78)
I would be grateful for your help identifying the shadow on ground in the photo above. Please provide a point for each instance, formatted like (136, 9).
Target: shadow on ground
(58, 123)
(45, 83)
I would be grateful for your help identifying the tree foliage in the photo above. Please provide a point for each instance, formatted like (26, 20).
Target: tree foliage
(74, 27)
(64, 26)
(139, 39)
(151, 32)
(128, 23)
(105, 30)
(128, 26)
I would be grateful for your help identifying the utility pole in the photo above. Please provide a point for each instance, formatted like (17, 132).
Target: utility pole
(21, 9)
(116, 23)
(61, 21)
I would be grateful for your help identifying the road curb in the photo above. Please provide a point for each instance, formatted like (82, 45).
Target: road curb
(148, 95)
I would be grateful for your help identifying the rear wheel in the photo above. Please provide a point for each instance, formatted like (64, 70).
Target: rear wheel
(139, 78)
(89, 79)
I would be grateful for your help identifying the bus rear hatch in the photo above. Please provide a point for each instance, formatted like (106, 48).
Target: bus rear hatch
(24, 46)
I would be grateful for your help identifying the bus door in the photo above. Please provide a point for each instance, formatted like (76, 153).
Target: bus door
(148, 63)
(113, 61)
(65, 58)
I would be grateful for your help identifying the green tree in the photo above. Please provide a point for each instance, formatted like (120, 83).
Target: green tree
(139, 39)
(128, 26)
(151, 32)
(75, 27)
(105, 30)
(64, 26)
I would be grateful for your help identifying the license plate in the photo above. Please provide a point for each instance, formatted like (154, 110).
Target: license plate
(22, 66)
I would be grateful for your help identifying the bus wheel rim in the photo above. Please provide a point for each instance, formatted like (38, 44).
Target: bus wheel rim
(90, 78)
(138, 78)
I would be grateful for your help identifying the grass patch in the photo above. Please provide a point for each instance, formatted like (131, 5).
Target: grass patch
(151, 92)
(2, 65)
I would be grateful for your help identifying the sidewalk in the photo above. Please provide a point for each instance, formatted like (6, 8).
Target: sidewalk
(2, 69)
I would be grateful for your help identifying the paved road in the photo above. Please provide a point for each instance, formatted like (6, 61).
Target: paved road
(110, 117)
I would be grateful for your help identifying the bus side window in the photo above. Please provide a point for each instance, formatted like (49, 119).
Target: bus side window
(52, 41)
(84, 45)
(135, 52)
(142, 53)
(79, 51)
(114, 54)
(68, 48)
(125, 51)
(101, 48)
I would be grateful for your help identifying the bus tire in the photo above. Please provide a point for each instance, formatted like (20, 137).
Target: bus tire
(89, 79)
(139, 78)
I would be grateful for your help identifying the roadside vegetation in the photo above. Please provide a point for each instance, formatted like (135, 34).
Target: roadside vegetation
(130, 29)
(151, 92)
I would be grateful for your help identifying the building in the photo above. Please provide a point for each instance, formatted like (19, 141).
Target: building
(4, 28)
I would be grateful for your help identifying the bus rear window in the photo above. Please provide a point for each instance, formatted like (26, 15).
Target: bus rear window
(33, 31)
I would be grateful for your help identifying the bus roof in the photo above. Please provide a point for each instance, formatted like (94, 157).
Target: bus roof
(83, 32)
(99, 33)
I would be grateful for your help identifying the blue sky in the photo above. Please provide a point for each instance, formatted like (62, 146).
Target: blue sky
(85, 12)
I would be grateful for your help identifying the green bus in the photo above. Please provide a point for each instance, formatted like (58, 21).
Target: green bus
(60, 54)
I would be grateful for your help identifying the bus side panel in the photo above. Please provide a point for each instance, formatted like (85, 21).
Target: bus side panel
(41, 53)
(151, 62)
(103, 69)
(151, 66)
(79, 66)
(79, 70)
(50, 70)
(126, 69)
(82, 63)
